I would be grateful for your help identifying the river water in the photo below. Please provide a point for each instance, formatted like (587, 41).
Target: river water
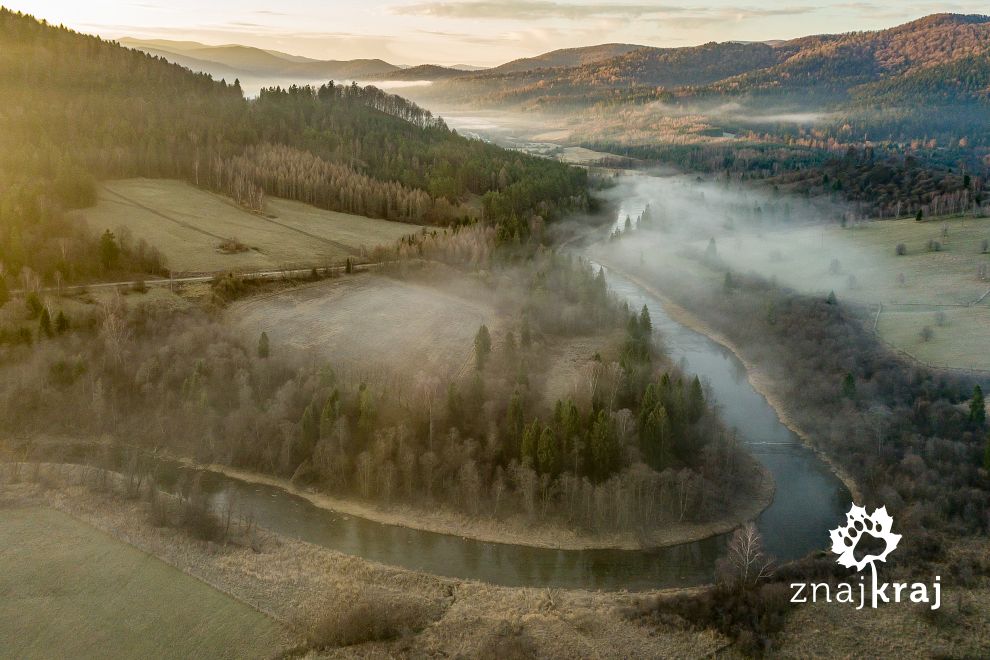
(808, 501)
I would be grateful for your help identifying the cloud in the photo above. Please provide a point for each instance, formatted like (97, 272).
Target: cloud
(529, 10)
(534, 10)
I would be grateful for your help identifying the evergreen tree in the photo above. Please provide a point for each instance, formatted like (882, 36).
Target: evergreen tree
(977, 408)
(530, 442)
(514, 421)
(986, 455)
(604, 449)
(348, 266)
(645, 323)
(547, 453)
(33, 304)
(696, 401)
(849, 386)
(264, 350)
(482, 347)
(524, 335)
(61, 322)
(109, 250)
(4, 291)
(711, 251)
(831, 300)
(45, 324)
(309, 427)
(328, 416)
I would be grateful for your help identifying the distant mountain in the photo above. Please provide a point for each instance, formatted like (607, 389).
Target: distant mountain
(834, 66)
(422, 72)
(248, 62)
(942, 54)
(567, 57)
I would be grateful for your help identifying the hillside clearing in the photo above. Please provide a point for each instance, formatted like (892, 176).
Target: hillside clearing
(188, 226)
(72, 591)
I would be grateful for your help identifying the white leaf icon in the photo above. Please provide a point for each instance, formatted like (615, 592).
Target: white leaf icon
(858, 523)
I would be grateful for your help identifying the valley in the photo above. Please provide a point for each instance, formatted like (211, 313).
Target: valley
(585, 353)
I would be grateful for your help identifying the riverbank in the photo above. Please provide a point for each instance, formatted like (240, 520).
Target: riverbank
(757, 376)
(516, 530)
(355, 607)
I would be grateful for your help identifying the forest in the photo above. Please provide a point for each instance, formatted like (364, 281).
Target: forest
(911, 438)
(78, 109)
(641, 447)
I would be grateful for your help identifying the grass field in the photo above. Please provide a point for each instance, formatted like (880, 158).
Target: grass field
(370, 322)
(861, 265)
(68, 590)
(188, 224)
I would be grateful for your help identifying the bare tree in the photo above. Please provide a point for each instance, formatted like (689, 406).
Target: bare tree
(746, 563)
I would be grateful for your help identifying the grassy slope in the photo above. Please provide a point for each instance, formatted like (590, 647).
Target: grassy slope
(187, 224)
(71, 591)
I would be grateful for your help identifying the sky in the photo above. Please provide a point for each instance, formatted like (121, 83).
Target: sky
(479, 32)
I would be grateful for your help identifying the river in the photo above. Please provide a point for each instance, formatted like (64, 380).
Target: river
(809, 499)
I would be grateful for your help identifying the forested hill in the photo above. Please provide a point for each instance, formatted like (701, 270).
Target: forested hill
(76, 109)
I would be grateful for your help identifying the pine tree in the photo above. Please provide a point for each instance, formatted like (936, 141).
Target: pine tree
(849, 386)
(977, 407)
(109, 250)
(45, 324)
(529, 444)
(548, 458)
(514, 418)
(831, 300)
(61, 322)
(986, 455)
(482, 347)
(696, 401)
(645, 322)
(264, 350)
(310, 427)
(604, 450)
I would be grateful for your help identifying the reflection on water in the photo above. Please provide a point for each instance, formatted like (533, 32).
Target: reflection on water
(809, 500)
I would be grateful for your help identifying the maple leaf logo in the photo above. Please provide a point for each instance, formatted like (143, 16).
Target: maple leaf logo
(858, 523)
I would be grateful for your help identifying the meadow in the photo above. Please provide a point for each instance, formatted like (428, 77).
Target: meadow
(72, 591)
(369, 323)
(930, 277)
(199, 231)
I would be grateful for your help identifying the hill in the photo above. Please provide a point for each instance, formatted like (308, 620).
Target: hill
(78, 109)
(248, 62)
(805, 72)
(422, 72)
(566, 57)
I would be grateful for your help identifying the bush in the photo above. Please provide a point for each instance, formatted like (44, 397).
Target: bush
(354, 617)
(900, 250)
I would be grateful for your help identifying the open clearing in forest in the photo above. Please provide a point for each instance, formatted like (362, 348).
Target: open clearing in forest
(188, 225)
(71, 591)
(370, 323)
(941, 290)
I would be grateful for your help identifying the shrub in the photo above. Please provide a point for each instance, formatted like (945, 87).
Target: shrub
(354, 617)
(900, 250)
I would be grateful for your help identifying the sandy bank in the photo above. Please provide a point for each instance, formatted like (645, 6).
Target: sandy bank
(517, 530)
(757, 376)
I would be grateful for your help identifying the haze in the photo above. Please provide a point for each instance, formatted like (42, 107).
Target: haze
(473, 32)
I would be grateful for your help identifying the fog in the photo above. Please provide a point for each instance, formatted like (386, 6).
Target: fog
(811, 246)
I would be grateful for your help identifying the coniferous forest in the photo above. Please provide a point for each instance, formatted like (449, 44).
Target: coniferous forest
(78, 109)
